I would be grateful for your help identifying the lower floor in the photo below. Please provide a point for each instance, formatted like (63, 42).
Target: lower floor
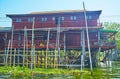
(49, 58)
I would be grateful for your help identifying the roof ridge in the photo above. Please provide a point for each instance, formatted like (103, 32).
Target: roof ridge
(57, 11)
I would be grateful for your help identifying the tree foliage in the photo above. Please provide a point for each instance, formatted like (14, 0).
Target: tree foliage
(114, 26)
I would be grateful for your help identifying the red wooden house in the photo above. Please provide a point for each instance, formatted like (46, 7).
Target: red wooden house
(57, 29)
(72, 22)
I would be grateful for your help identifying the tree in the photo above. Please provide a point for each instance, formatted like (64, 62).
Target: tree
(114, 26)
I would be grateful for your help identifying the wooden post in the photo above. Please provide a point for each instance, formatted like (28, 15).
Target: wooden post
(32, 47)
(47, 49)
(57, 48)
(83, 48)
(24, 48)
(18, 51)
(99, 50)
(58, 38)
(14, 57)
(7, 52)
(64, 43)
(11, 46)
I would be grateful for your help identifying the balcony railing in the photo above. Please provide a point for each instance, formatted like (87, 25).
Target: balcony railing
(107, 43)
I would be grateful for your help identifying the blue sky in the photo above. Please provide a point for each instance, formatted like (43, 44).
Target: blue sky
(108, 7)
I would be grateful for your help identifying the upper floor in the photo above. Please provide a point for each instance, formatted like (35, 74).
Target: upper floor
(68, 18)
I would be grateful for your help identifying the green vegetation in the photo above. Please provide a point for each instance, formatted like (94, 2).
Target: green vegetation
(41, 73)
(26, 72)
(115, 27)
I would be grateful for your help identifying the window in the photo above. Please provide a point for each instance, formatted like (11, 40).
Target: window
(62, 18)
(53, 18)
(89, 17)
(30, 19)
(44, 19)
(18, 20)
(73, 18)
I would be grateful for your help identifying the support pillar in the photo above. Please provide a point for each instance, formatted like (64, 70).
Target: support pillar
(64, 43)
(83, 48)
(18, 50)
(5, 54)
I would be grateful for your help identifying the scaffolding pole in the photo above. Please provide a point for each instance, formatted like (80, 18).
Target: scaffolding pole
(26, 38)
(58, 38)
(7, 52)
(47, 49)
(32, 47)
(64, 43)
(24, 47)
(14, 57)
(11, 45)
(89, 50)
(83, 49)
(25, 50)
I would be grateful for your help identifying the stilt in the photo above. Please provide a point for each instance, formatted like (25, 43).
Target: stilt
(64, 42)
(47, 49)
(14, 57)
(7, 53)
(18, 58)
(11, 45)
(24, 47)
(35, 54)
(32, 47)
(99, 49)
(98, 60)
(18, 50)
(57, 48)
(58, 38)
(83, 48)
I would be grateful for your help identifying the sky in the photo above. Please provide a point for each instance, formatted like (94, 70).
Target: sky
(108, 7)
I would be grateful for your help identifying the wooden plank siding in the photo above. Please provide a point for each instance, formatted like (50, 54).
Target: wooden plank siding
(47, 20)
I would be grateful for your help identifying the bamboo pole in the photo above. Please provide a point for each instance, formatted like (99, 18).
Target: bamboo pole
(47, 49)
(32, 47)
(83, 49)
(64, 43)
(24, 47)
(99, 50)
(58, 39)
(4, 55)
(7, 52)
(89, 50)
(14, 57)
(57, 48)
(18, 51)
(11, 46)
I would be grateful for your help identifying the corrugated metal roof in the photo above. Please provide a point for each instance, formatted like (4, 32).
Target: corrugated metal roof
(53, 12)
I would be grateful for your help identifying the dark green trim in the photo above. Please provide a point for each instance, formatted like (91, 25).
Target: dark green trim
(108, 31)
